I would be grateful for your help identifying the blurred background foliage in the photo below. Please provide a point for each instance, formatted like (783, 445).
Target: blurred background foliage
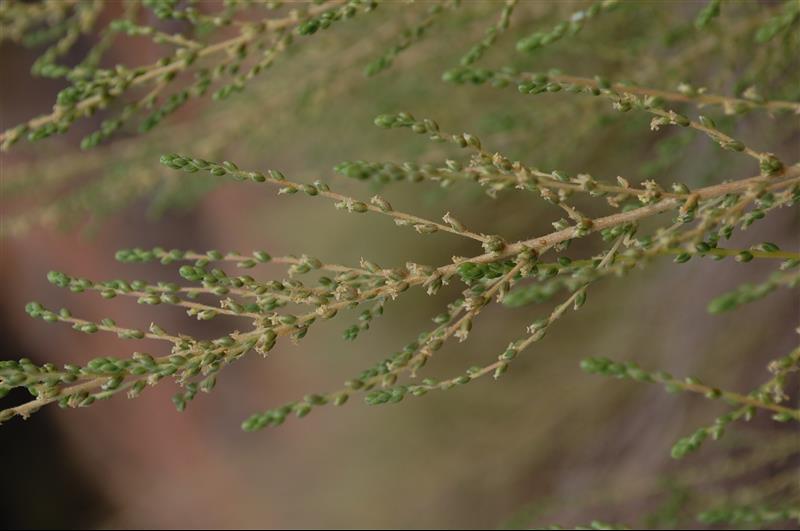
(548, 444)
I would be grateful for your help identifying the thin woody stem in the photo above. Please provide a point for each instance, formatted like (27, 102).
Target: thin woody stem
(668, 95)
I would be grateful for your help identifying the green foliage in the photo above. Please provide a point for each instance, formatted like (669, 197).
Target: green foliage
(93, 89)
(610, 226)
(593, 525)
(748, 292)
(768, 397)
(779, 24)
(753, 516)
